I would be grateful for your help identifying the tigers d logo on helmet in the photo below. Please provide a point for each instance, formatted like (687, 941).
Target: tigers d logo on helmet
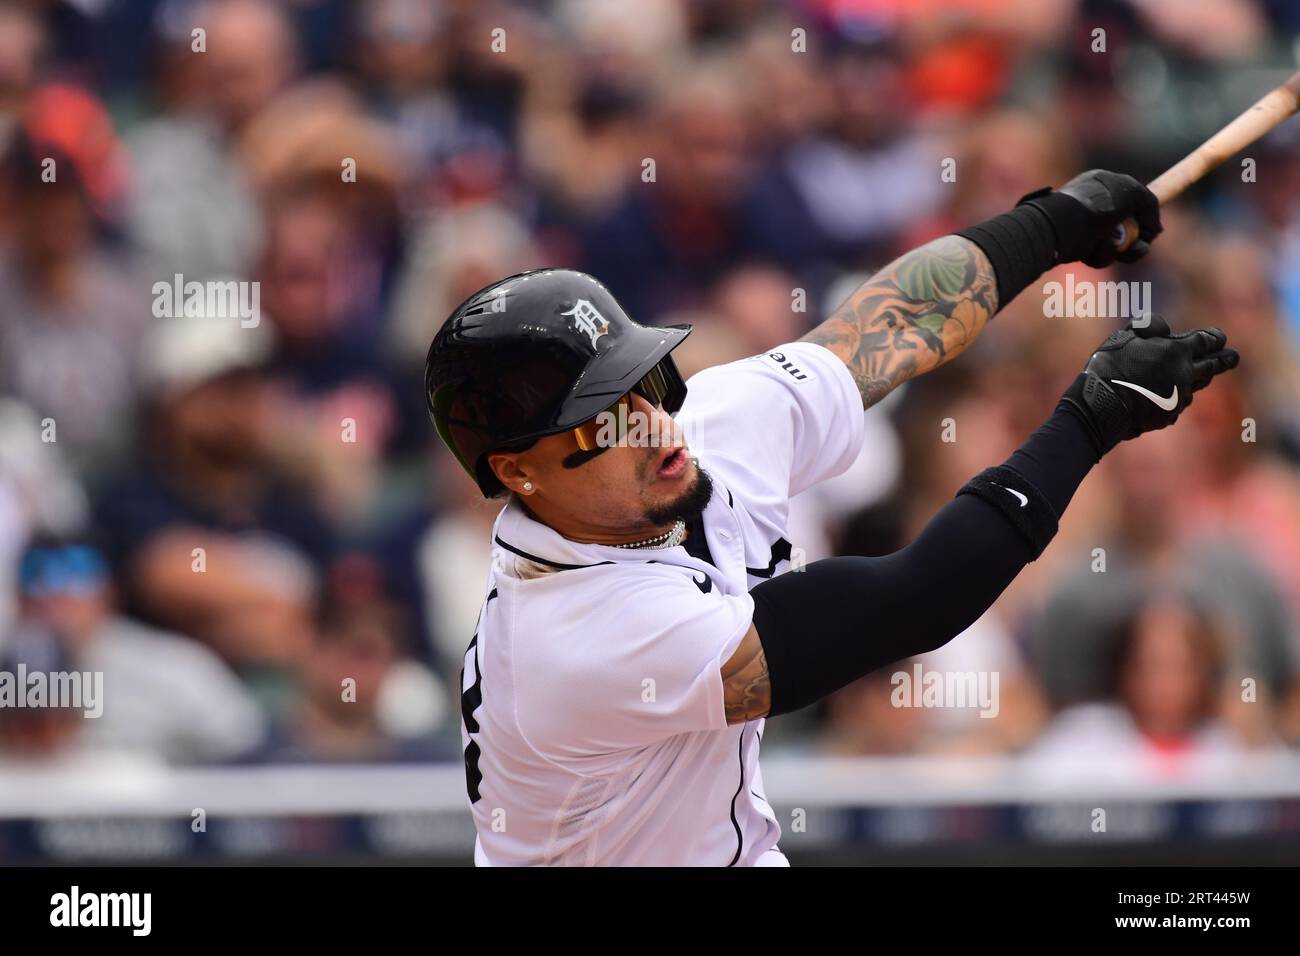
(587, 319)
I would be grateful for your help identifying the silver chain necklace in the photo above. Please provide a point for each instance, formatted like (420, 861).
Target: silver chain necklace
(669, 539)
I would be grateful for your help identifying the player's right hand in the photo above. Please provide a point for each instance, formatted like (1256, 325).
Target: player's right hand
(1085, 211)
(1140, 379)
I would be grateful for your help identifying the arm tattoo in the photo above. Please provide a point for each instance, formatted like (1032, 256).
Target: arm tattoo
(918, 312)
(746, 686)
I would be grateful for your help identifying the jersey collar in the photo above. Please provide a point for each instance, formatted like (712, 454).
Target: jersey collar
(522, 536)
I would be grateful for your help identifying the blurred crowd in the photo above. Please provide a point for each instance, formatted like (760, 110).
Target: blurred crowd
(252, 531)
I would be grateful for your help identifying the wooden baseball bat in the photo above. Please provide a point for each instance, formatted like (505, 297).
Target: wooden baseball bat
(1270, 110)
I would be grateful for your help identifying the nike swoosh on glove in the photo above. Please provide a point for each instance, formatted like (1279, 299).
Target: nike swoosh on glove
(1141, 378)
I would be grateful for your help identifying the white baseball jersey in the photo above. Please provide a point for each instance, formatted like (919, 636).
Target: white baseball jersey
(592, 697)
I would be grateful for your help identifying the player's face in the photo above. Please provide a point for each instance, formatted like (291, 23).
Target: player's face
(647, 480)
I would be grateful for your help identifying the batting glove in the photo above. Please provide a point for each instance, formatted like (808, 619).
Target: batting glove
(1085, 211)
(1140, 379)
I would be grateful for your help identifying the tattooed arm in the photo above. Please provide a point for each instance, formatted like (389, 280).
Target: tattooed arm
(746, 686)
(918, 312)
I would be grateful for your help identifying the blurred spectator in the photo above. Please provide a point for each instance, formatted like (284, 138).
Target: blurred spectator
(759, 303)
(316, 141)
(672, 236)
(164, 694)
(1231, 286)
(878, 714)
(192, 210)
(333, 403)
(1214, 28)
(1164, 714)
(839, 195)
(342, 714)
(868, 172)
(405, 52)
(23, 42)
(862, 720)
(55, 732)
(206, 537)
(1240, 493)
(71, 314)
(998, 158)
(56, 740)
(449, 259)
(38, 493)
(1150, 541)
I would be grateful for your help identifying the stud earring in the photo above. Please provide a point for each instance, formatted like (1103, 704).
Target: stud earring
(528, 486)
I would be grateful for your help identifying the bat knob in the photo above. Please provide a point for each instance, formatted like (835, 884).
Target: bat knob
(1125, 234)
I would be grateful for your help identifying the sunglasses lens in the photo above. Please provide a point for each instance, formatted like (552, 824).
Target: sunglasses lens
(654, 386)
(589, 434)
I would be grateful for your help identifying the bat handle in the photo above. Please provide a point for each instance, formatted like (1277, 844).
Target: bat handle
(1167, 186)
(1126, 233)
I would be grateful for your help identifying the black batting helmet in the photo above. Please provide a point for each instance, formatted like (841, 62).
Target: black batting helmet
(536, 354)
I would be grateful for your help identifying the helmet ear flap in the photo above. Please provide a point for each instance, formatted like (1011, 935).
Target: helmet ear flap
(486, 479)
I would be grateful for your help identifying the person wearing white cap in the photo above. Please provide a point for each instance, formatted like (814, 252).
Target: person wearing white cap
(207, 534)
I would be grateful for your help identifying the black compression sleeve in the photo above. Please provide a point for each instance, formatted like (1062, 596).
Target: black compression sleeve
(1028, 240)
(839, 619)
(1019, 245)
(1057, 456)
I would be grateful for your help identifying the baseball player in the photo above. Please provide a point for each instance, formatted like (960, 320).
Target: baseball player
(638, 627)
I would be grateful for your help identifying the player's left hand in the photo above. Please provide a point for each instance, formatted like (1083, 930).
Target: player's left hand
(1142, 377)
(1085, 211)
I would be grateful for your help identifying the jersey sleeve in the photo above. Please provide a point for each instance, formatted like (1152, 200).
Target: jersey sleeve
(646, 666)
(788, 418)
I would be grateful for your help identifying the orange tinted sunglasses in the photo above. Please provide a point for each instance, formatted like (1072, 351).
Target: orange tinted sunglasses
(653, 387)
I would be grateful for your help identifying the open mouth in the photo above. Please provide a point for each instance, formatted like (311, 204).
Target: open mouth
(673, 465)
